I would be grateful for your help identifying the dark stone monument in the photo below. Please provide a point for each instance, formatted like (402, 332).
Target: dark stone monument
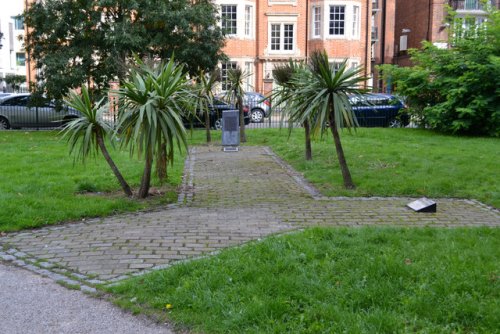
(423, 205)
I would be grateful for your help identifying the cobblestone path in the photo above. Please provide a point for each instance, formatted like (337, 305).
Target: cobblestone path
(228, 199)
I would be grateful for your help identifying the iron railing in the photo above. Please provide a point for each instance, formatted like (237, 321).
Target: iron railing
(48, 116)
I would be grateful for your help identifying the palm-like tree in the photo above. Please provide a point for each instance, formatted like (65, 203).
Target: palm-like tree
(152, 101)
(324, 100)
(235, 92)
(285, 95)
(86, 134)
(204, 89)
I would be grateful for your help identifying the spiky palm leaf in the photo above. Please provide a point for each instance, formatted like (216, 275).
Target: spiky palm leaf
(324, 100)
(150, 119)
(204, 90)
(236, 93)
(86, 134)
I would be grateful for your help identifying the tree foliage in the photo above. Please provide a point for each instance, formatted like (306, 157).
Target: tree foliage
(91, 41)
(152, 102)
(322, 99)
(286, 93)
(87, 133)
(15, 80)
(455, 90)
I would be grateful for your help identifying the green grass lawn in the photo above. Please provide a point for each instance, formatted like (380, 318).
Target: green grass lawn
(40, 185)
(368, 280)
(395, 162)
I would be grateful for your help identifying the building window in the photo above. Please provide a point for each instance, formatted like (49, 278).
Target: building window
(336, 66)
(20, 59)
(282, 37)
(225, 68)
(355, 21)
(248, 20)
(18, 22)
(337, 20)
(316, 12)
(248, 79)
(228, 16)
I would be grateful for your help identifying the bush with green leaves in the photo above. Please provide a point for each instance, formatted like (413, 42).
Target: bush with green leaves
(455, 90)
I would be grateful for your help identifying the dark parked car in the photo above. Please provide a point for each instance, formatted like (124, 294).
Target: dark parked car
(16, 111)
(215, 115)
(377, 109)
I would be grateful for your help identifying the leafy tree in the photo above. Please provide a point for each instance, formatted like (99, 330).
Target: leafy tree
(86, 134)
(152, 101)
(15, 80)
(235, 92)
(92, 41)
(286, 94)
(322, 98)
(205, 85)
(455, 90)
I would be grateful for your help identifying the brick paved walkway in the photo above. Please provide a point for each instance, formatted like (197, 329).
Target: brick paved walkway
(228, 199)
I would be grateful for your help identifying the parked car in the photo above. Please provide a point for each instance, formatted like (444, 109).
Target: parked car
(4, 96)
(377, 109)
(16, 111)
(215, 115)
(260, 106)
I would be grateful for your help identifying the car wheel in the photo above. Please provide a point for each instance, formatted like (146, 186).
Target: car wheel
(257, 115)
(218, 124)
(4, 124)
(394, 123)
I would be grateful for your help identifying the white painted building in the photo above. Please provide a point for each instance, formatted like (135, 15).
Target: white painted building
(12, 53)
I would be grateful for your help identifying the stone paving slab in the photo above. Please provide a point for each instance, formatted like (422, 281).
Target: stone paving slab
(228, 199)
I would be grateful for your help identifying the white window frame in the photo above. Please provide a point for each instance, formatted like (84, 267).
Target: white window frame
(350, 20)
(356, 11)
(332, 21)
(316, 21)
(224, 21)
(249, 70)
(225, 67)
(281, 38)
(248, 21)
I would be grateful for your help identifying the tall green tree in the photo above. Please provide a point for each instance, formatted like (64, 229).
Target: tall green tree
(92, 41)
(285, 95)
(86, 135)
(235, 93)
(152, 101)
(322, 98)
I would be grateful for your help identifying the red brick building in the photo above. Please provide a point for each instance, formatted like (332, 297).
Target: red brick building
(263, 33)
(399, 25)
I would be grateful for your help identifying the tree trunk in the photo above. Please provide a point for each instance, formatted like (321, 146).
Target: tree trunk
(146, 176)
(111, 163)
(207, 126)
(243, 137)
(307, 129)
(161, 163)
(346, 174)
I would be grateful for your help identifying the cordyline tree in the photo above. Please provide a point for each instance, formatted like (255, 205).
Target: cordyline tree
(285, 95)
(236, 93)
(322, 97)
(92, 41)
